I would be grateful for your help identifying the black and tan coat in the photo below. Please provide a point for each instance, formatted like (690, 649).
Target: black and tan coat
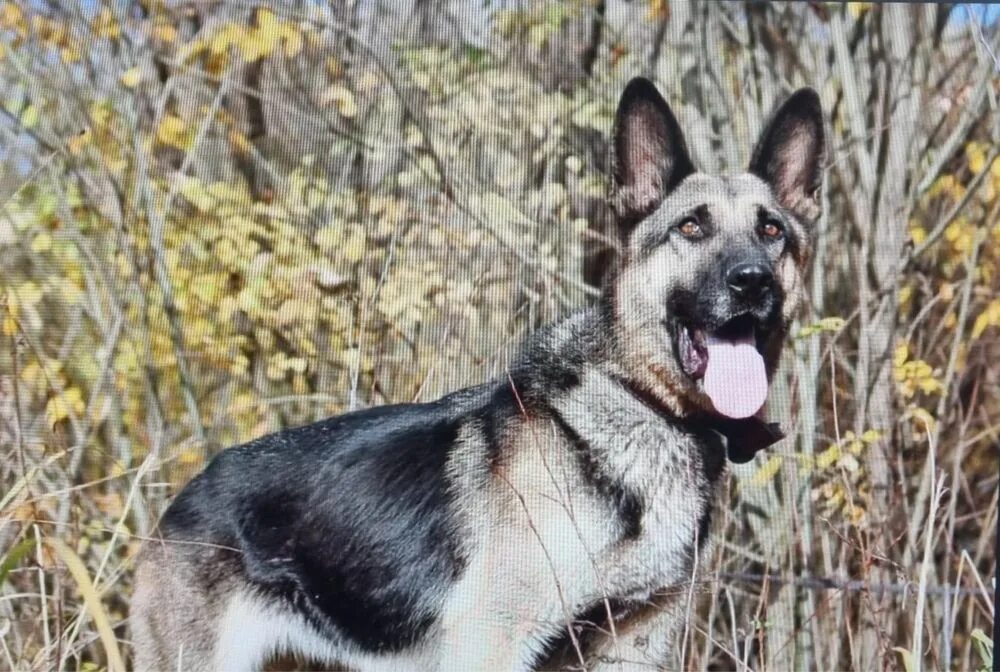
(478, 531)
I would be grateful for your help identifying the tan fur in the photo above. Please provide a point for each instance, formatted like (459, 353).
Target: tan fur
(174, 619)
(595, 491)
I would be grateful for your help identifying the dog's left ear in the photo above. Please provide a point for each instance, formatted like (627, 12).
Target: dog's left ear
(790, 154)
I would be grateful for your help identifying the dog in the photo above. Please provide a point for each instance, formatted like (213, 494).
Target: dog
(565, 506)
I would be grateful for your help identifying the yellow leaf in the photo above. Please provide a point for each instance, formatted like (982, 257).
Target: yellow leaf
(195, 192)
(29, 117)
(988, 318)
(78, 142)
(905, 294)
(29, 293)
(62, 405)
(106, 25)
(239, 141)
(164, 32)
(12, 304)
(342, 98)
(930, 386)
(354, 247)
(262, 40)
(328, 238)
(243, 403)
(856, 514)
(980, 325)
(276, 366)
(206, 287)
(227, 36)
(31, 372)
(42, 242)
(946, 291)
(658, 10)
(293, 40)
(767, 471)
(858, 9)
(871, 436)
(12, 16)
(831, 323)
(100, 114)
(69, 55)
(900, 354)
(172, 132)
(828, 457)
(191, 457)
(975, 152)
(131, 78)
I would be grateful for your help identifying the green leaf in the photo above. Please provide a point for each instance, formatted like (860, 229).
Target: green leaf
(29, 117)
(475, 55)
(983, 643)
(831, 324)
(14, 556)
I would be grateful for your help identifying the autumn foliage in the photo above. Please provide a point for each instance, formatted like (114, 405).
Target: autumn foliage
(219, 220)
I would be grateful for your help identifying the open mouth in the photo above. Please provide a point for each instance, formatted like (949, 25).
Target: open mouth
(728, 364)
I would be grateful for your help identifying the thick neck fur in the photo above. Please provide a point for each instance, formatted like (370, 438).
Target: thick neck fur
(593, 339)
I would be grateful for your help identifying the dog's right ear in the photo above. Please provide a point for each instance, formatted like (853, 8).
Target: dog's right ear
(649, 155)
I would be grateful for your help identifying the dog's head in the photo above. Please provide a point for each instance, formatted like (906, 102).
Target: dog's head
(711, 266)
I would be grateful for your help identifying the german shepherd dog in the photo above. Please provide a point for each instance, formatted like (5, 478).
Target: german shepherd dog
(479, 531)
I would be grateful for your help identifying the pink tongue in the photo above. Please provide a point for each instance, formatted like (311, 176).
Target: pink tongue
(735, 379)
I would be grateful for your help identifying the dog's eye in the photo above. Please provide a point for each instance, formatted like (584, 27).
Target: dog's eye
(771, 228)
(689, 228)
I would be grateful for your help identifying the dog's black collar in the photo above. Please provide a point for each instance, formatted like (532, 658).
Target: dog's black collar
(744, 437)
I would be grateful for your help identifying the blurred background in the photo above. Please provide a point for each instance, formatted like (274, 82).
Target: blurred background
(218, 219)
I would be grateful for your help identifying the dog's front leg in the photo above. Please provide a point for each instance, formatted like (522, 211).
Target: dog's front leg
(642, 642)
(480, 643)
(497, 619)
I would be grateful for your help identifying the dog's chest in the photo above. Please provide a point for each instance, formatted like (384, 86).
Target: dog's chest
(637, 493)
(677, 484)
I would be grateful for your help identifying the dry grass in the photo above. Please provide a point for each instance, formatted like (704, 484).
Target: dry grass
(242, 241)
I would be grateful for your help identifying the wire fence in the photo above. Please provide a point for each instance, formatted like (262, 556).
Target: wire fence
(855, 585)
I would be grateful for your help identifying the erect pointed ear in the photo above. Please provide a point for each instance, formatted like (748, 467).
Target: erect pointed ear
(649, 156)
(790, 154)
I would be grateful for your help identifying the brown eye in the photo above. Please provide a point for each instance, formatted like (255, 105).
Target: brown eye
(771, 229)
(689, 228)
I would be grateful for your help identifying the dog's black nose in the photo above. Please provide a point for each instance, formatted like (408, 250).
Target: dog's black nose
(749, 281)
